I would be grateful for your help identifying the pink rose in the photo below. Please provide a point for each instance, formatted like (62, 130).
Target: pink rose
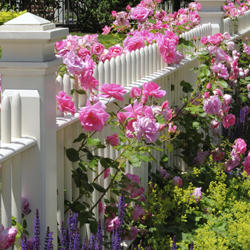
(106, 30)
(204, 40)
(217, 155)
(220, 69)
(214, 124)
(74, 63)
(152, 89)
(212, 105)
(200, 158)
(128, 8)
(114, 13)
(240, 146)
(135, 192)
(93, 118)
(216, 39)
(132, 233)
(106, 173)
(111, 224)
(115, 50)
(112, 90)
(25, 206)
(97, 49)
(227, 99)
(7, 237)
(228, 121)
(197, 194)
(60, 45)
(144, 99)
(137, 212)
(135, 92)
(113, 140)
(133, 43)
(246, 164)
(65, 104)
(177, 181)
(82, 53)
(142, 198)
(100, 207)
(147, 127)
(140, 14)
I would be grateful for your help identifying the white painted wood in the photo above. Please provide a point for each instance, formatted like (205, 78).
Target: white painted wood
(67, 85)
(118, 70)
(124, 71)
(5, 120)
(112, 71)
(107, 72)
(133, 63)
(129, 68)
(74, 85)
(138, 65)
(59, 87)
(16, 116)
(17, 188)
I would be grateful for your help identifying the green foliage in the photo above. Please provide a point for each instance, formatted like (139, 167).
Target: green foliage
(6, 16)
(93, 15)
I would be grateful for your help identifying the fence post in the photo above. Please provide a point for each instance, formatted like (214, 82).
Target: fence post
(212, 12)
(28, 63)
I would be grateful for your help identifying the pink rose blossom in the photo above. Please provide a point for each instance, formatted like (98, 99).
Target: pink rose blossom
(93, 98)
(137, 212)
(209, 86)
(240, 146)
(221, 70)
(25, 206)
(113, 140)
(132, 233)
(200, 158)
(228, 121)
(93, 118)
(147, 127)
(74, 63)
(153, 89)
(197, 194)
(106, 30)
(114, 13)
(115, 50)
(82, 53)
(60, 45)
(140, 14)
(177, 181)
(7, 237)
(133, 43)
(142, 198)
(128, 8)
(112, 90)
(144, 99)
(216, 39)
(111, 224)
(65, 104)
(135, 192)
(106, 173)
(212, 105)
(204, 40)
(217, 155)
(97, 49)
(227, 99)
(100, 207)
(246, 164)
(214, 124)
(248, 87)
(135, 92)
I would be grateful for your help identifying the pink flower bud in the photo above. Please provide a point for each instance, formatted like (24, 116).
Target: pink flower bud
(114, 13)
(209, 86)
(177, 181)
(113, 140)
(135, 92)
(128, 8)
(144, 99)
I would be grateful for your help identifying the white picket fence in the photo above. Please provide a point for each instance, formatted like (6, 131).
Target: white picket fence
(32, 153)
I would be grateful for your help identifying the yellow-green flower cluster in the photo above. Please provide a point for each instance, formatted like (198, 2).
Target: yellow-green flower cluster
(6, 16)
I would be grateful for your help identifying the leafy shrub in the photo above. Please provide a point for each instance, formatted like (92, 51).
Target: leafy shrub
(6, 16)
(93, 15)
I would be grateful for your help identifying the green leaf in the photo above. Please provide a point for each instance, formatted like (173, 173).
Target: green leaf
(99, 188)
(223, 84)
(72, 154)
(158, 142)
(172, 87)
(144, 158)
(164, 158)
(93, 226)
(153, 21)
(80, 91)
(243, 98)
(93, 141)
(80, 137)
(104, 162)
(83, 217)
(196, 125)
(186, 87)
(170, 147)
(24, 224)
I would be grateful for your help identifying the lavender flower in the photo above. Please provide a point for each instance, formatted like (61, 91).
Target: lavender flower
(63, 238)
(46, 239)
(77, 240)
(92, 242)
(99, 237)
(50, 242)
(192, 246)
(24, 243)
(36, 244)
(174, 246)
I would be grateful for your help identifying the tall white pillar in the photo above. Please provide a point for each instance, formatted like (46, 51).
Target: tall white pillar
(28, 63)
(212, 12)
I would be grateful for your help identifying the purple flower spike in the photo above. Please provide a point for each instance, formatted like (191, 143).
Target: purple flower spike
(174, 246)
(63, 238)
(92, 242)
(24, 243)
(36, 243)
(99, 237)
(192, 246)
(77, 240)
